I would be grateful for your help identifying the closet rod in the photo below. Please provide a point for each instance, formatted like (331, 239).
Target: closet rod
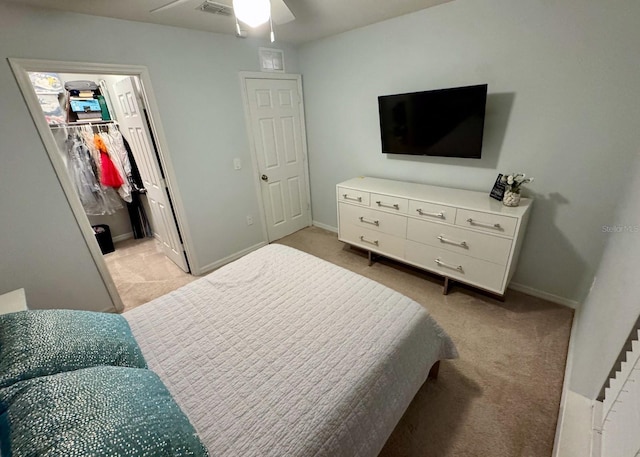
(80, 124)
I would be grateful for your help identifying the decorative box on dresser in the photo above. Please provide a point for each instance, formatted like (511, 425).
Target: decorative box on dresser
(462, 235)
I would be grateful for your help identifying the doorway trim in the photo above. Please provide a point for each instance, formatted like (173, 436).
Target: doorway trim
(244, 75)
(20, 68)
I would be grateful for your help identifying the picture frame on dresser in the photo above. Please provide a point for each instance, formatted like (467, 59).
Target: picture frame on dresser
(461, 235)
(497, 192)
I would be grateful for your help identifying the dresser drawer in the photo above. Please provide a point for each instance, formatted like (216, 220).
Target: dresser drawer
(478, 245)
(372, 240)
(353, 196)
(487, 222)
(393, 224)
(388, 203)
(486, 275)
(432, 212)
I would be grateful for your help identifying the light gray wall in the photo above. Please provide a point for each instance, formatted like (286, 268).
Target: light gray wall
(196, 83)
(613, 305)
(563, 107)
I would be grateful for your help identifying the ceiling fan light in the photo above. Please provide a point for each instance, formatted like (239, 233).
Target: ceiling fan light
(252, 12)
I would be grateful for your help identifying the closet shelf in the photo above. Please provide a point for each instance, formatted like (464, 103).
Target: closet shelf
(73, 124)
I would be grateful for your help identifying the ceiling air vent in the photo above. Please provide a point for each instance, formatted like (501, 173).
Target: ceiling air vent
(216, 8)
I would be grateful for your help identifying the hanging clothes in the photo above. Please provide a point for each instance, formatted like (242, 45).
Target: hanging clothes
(110, 175)
(82, 175)
(96, 199)
(119, 151)
(118, 155)
(136, 178)
(137, 215)
(103, 169)
(86, 133)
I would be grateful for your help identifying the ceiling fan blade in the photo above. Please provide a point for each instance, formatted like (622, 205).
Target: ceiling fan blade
(167, 6)
(280, 12)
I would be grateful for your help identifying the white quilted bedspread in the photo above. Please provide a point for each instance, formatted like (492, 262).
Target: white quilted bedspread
(283, 354)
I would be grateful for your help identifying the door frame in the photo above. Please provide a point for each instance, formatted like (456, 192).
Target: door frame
(20, 68)
(244, 75)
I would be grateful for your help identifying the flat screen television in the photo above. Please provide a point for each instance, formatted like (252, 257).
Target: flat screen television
(444, 122)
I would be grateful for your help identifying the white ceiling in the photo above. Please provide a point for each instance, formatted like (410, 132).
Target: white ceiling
(313, 18)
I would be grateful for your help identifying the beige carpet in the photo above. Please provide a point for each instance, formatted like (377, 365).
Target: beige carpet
(141, 272)
(499, 399)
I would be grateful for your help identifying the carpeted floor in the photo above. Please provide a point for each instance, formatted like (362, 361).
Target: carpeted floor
(141, 272)
(499, 399)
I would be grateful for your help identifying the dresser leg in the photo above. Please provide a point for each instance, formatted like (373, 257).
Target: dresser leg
(433, 372)
(372, 257)
(447, 284)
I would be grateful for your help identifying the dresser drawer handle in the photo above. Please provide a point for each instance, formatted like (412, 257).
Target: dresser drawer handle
(462, 244)
(486, 224)
(369, 221)
(453, 267)
(355, 199)
(422, 213)
(364, 240)
(394, 206)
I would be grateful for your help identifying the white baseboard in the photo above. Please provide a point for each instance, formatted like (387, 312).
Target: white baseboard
(578, 431)
(544, 295)
(124, 236)
(515, 286)
(575, 436)
(218, 263)
(330, 228)
(565, 384)
(596, 435)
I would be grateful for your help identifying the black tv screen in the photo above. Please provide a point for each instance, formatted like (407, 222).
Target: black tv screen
(444, 122)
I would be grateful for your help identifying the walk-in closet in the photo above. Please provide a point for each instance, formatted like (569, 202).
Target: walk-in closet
(106, 140)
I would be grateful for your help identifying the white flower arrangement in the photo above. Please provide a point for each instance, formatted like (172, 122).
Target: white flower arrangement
(515, 180)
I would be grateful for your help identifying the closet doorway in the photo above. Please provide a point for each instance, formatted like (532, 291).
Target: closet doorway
(100, 126)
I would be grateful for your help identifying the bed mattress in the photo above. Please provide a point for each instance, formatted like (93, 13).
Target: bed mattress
(283, 354)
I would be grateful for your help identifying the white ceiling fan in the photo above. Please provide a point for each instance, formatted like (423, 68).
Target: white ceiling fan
(280, 12)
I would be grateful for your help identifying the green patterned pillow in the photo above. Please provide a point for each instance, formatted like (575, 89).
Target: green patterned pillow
(43, 342)
(100, 411)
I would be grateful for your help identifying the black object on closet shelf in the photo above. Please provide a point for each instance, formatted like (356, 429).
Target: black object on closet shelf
(103, 237)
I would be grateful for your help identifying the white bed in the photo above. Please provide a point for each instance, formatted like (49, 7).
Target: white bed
(283, 354)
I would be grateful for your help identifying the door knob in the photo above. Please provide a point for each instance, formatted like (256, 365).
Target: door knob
(265, 178)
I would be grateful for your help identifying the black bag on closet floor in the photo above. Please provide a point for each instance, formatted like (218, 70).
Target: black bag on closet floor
(103, 236)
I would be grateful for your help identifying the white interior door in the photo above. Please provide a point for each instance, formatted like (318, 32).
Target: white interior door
(134, 128)
(276, 124)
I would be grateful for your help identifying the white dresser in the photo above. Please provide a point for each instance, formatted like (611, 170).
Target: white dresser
(462, 235)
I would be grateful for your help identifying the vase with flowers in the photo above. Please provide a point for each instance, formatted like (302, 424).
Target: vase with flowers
(513, 183)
